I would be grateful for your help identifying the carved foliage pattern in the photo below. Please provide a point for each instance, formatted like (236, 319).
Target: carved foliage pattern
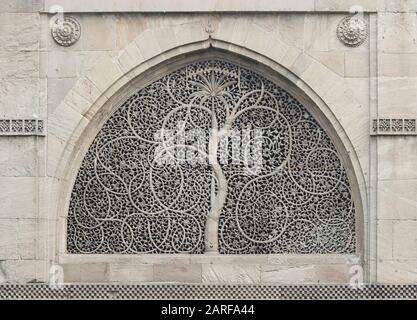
(124, 202)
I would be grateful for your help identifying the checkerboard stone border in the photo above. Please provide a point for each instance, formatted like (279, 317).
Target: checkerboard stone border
(203, 291)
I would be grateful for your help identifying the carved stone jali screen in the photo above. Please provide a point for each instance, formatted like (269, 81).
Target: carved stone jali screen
(126, 201)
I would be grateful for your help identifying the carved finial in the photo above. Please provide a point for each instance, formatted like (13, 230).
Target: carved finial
(209, 29)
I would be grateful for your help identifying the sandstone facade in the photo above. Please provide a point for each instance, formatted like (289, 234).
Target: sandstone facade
(73, 89)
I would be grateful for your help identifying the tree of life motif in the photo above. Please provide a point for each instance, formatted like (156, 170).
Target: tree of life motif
(125, 201)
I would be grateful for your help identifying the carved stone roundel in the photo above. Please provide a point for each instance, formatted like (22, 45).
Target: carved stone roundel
(299, 202)
(66, 31)
(352, 31)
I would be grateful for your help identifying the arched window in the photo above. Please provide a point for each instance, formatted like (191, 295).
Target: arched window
(212, 157)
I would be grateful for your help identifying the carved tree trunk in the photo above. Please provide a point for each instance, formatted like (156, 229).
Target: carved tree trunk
(219, 198)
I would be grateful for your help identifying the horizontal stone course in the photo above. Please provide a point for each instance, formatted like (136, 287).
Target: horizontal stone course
(21, 6)
(19, 64)
(208, 268)
(188, 273)
(397, 271)
(397, 158)
(183, 5)
(231, 6)
(19, 32)
(305, 274)
(398, 199)
(405, 239)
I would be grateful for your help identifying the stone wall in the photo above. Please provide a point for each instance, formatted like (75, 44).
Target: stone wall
(75, 88)
(396, 156)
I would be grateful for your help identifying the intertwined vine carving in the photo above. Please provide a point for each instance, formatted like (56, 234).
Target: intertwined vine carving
(123, 201)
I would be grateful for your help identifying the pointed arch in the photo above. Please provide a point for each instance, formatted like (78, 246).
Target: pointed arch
(94, 97)
(291, 196)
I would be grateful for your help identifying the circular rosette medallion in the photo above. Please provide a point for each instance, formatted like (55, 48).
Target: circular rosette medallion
(66, 31)
(352, 31)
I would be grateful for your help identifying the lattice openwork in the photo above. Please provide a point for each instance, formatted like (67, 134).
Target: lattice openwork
(298, 200)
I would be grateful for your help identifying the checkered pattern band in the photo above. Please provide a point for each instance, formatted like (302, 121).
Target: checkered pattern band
(200, 291)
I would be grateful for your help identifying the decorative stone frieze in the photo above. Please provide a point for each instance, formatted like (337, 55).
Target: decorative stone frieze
(66, 31)
(394, 126)
(352, 31)
(22, 127)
